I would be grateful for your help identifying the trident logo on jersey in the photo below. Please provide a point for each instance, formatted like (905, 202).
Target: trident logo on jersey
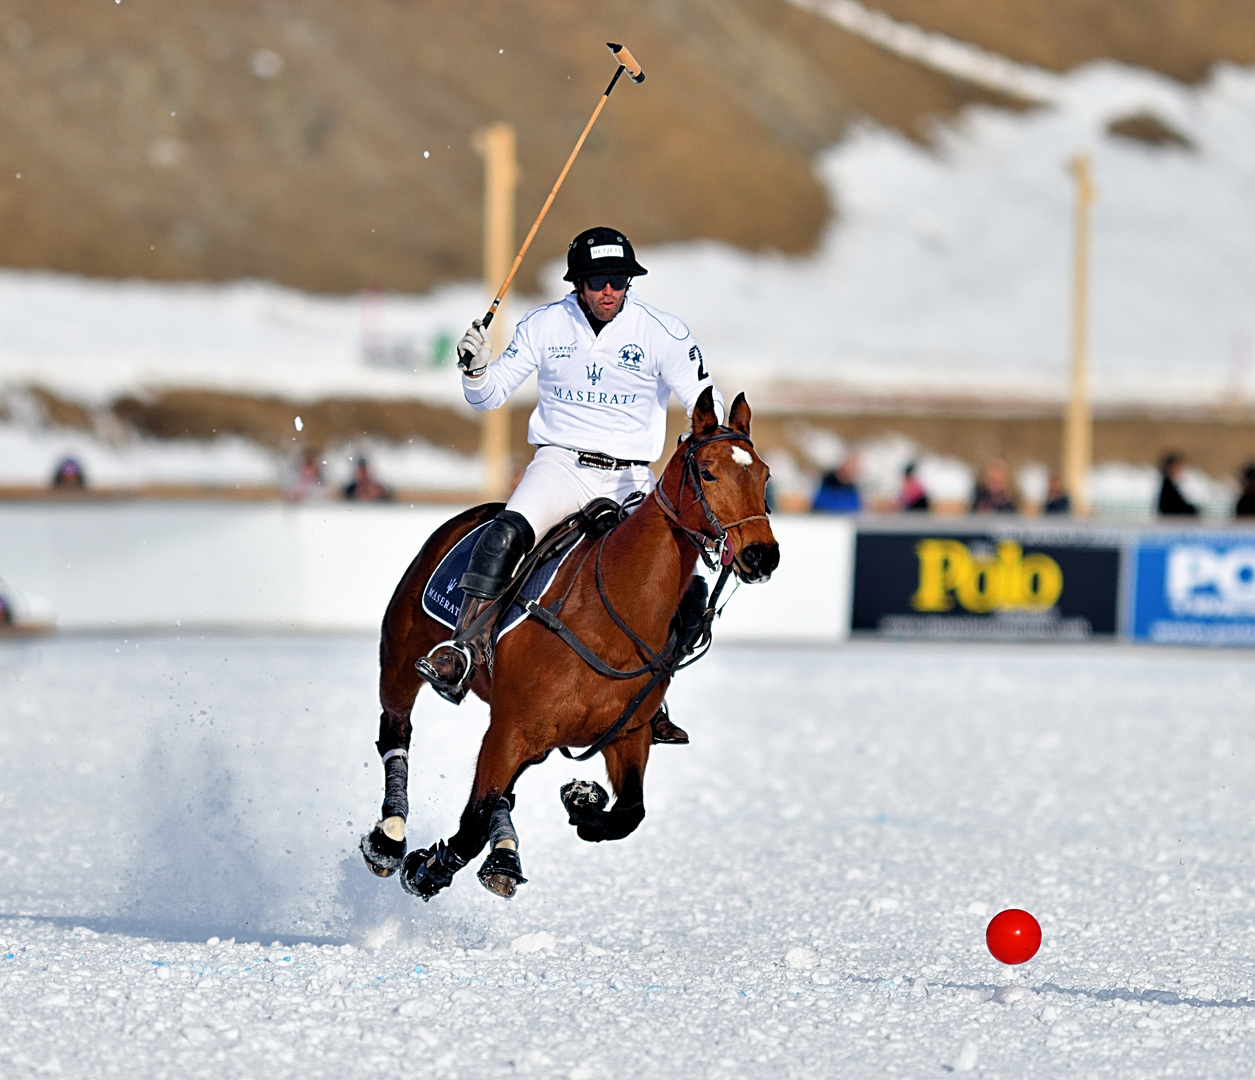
(594, 373)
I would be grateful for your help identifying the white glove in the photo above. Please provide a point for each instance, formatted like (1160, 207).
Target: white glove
(474, 350)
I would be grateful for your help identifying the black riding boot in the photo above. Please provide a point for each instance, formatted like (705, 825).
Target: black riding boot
(450, 666)
(688, 627)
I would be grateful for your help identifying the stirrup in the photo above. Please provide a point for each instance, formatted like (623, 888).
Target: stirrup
(453, 692)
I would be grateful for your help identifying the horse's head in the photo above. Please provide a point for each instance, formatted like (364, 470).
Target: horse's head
(714, 489)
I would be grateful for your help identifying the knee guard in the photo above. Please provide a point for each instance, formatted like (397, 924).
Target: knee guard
(506, 540)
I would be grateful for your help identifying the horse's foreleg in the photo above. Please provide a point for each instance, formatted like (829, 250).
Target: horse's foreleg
(585, 800)
(486, 816)
(502, 872)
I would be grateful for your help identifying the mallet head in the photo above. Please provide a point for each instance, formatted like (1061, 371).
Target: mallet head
(628, 61)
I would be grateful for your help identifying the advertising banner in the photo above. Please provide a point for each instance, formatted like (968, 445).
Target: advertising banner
(1005, 584)
(1195, 589)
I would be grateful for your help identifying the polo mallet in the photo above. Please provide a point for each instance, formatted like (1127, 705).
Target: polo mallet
(627, 62)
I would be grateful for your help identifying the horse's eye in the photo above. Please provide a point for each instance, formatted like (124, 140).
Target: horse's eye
(708, 475)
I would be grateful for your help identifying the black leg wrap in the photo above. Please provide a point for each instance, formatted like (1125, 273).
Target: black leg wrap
(428, 870)
(396, 778)
(383, 855)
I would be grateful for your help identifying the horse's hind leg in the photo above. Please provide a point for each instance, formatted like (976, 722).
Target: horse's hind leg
(383, 847)
(585, 800)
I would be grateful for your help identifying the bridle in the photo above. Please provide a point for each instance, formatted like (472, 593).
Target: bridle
(715, 550)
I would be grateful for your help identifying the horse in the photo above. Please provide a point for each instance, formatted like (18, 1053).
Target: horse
(544, 690)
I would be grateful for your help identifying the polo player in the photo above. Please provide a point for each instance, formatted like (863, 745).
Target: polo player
(606, 364)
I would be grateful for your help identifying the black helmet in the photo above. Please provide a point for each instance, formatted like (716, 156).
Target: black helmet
(601, 251)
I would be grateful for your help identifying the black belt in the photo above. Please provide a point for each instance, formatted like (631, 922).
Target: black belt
(605, 461)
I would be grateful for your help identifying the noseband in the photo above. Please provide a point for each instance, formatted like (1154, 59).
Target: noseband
(714, 550)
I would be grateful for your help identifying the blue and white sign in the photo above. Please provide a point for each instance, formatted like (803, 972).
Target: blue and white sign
(1195, 590)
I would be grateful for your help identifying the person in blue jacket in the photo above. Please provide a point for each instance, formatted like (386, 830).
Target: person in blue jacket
(838, 493)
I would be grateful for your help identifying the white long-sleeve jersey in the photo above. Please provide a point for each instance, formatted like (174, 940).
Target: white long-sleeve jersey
(603, 392)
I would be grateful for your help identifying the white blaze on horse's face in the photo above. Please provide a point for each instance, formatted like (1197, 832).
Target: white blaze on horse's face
(742, 457)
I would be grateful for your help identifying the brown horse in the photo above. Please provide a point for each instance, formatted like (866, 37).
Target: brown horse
(542, 694)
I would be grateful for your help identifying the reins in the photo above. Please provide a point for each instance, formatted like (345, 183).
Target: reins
(670, 659)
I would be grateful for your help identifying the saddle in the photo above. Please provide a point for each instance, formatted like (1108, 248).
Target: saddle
(443, 599)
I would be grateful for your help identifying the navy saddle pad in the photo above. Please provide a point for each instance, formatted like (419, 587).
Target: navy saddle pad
(442, 599)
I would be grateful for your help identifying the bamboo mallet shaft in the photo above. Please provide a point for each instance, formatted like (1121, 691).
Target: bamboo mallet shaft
(627, 62)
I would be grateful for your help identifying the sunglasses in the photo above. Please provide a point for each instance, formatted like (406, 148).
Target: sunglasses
(597, 282)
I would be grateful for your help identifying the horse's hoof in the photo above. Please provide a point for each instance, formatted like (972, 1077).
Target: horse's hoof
(383, 855)
(583, 798)
(502, 873)
(428, 870)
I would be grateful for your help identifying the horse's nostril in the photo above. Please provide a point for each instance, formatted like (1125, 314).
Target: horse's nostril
(761, 559)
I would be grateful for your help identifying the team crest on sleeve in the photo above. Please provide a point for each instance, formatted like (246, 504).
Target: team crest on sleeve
(631, 357)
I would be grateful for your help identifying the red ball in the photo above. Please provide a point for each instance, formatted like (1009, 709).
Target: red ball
(1013, 936)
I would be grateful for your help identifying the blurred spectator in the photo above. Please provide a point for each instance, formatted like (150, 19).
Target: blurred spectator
(838, 494)
(1058, 501)
(912, 495)
(1171, 501)
(993, 490)
(308, 483)
(364, 487)
(1246, 501)
(6, 612)
(69, 475)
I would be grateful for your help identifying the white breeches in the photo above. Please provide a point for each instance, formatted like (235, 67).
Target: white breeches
(556, 485)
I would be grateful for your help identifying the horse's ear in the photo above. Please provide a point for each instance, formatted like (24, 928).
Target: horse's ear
(739, 417)
(704, 419)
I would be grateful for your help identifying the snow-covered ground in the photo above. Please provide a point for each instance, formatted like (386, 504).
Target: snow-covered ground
(807, 897)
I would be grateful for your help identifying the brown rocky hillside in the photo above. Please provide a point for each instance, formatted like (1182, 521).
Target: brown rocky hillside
(218, 139)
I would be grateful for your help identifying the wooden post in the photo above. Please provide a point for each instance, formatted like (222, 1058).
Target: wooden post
(496, 145)
(1078, 424)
